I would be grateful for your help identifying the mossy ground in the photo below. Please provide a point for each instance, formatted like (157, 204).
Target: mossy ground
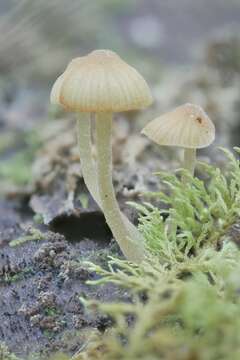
(185, 297)
(175, 306)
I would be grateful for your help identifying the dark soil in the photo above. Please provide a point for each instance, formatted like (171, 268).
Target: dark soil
(41, 281)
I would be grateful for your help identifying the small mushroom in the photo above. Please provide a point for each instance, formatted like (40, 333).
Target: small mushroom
(188, 126)
(101, 83)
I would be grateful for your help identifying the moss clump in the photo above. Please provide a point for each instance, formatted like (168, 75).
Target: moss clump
(33, 235)
(185, 300)
(178, 319)
(199, 213)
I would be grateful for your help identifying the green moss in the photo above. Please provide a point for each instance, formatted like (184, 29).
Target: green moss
(199, 212)
(5, 354)
(51, 312)
(185, 296)
(34, 235)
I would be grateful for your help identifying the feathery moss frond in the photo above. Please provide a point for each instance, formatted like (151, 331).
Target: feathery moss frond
(199, 212)
(185, 300)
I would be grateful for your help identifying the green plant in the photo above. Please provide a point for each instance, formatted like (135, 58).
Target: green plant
(33, 235)
(172, 318)
(184, 299)
(200, 212)
(5, 354)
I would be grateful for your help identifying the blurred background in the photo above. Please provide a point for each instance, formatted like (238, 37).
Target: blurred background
(189, 51)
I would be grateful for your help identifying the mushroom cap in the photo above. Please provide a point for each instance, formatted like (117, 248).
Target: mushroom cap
(100, 81)
(187, 126)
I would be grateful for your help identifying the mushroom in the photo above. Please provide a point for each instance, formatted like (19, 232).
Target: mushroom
(100, 84)
(188, 126)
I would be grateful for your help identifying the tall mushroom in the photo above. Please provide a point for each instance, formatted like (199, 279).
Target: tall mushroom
(101, 83)
(188, 126)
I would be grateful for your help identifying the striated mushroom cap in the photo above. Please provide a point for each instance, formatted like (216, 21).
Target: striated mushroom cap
(100, 81)
(187, 126)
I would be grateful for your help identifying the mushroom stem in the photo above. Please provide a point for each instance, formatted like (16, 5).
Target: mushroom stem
(89, 169)
(189, 160)
(88, 165)
(131, 247)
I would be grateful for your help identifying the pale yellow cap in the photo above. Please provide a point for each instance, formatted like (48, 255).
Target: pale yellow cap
(101, 81)
(187, 126)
